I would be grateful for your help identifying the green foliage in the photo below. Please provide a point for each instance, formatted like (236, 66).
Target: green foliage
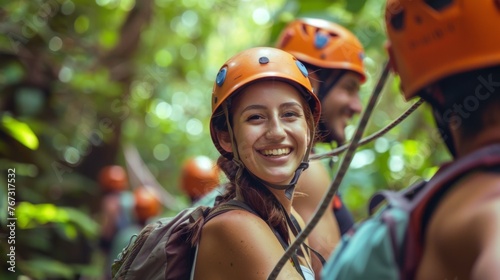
(19, 131)
(35, 215)
(79, 79)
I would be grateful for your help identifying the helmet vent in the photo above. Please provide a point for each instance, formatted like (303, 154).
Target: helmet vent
(397, 20)
(304, 28)
(439, 5)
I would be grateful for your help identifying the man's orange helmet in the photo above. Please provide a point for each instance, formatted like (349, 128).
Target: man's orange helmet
(258, 64)
(199, 175)
(147, 204)
(431, 40)
(323, 44)
(113, 178)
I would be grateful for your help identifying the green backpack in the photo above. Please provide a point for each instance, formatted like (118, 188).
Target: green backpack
(160, 250)
(389, 244)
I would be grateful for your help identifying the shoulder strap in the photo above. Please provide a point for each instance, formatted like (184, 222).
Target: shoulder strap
(228, 206)
(426, 200)
(400, 198)
(237, 204)
(217, 210)
(443, 180)
(296, 229)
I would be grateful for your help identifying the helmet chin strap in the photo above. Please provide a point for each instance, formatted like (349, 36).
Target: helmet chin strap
(290, 187)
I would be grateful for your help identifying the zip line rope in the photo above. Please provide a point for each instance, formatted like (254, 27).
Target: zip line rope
(338, 178)
(372, 137)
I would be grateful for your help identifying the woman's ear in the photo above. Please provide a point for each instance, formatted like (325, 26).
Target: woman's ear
(225, 141)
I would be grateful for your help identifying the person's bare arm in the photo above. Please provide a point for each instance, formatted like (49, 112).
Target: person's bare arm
(314, 183)
(239, 245)
(487, 266)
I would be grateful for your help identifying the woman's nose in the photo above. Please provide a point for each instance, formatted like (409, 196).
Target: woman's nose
(275, 130)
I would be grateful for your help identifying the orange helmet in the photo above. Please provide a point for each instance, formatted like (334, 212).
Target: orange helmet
(431, 40)
(146, 204)
(199, 176)
(113, 178)
(324, 44)
(256, 64)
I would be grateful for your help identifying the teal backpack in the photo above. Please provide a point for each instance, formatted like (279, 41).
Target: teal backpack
(388, 245)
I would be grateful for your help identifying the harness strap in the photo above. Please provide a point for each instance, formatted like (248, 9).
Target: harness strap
(296, 229)
(427, 200)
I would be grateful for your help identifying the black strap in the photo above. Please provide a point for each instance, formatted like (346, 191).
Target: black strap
(285, 245)
(296, 229)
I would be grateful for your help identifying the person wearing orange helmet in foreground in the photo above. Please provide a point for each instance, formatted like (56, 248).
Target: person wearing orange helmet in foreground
(199, 175)
(334, 59)
(444, 52)
(263, 123)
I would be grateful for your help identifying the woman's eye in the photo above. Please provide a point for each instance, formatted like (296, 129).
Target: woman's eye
(253, 117)
(291, 114)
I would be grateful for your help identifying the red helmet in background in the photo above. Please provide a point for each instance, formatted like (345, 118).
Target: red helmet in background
(147, 204)
(199, 175)
(113, 178)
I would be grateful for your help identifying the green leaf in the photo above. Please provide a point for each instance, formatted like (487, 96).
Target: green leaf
(20, 131)
(355, 6)
(44, 268)
(72, 220)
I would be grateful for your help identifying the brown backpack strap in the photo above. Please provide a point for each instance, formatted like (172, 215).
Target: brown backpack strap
(228, 206)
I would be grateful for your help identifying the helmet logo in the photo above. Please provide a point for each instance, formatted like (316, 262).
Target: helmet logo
(221, 76)
(320, 40)
(302, 68)
(263, 60)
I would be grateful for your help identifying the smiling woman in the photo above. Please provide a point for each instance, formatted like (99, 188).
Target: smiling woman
(270, 129)
(263, 123)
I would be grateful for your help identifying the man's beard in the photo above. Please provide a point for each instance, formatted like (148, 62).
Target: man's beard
(327, 135)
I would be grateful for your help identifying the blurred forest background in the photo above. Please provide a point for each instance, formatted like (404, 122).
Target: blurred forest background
(83, 81)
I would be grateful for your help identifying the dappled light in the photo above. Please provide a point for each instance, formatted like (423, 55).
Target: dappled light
(82, 80)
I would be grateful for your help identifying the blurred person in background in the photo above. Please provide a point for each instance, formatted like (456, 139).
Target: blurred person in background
(333, 57)
(123, 212)
(199, 176)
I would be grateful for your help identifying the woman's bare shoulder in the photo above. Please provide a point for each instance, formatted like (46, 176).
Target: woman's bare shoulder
(238, 245)
(233, 222)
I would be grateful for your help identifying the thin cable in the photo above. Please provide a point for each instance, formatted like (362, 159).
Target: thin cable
(372, 137)
(338, 178)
